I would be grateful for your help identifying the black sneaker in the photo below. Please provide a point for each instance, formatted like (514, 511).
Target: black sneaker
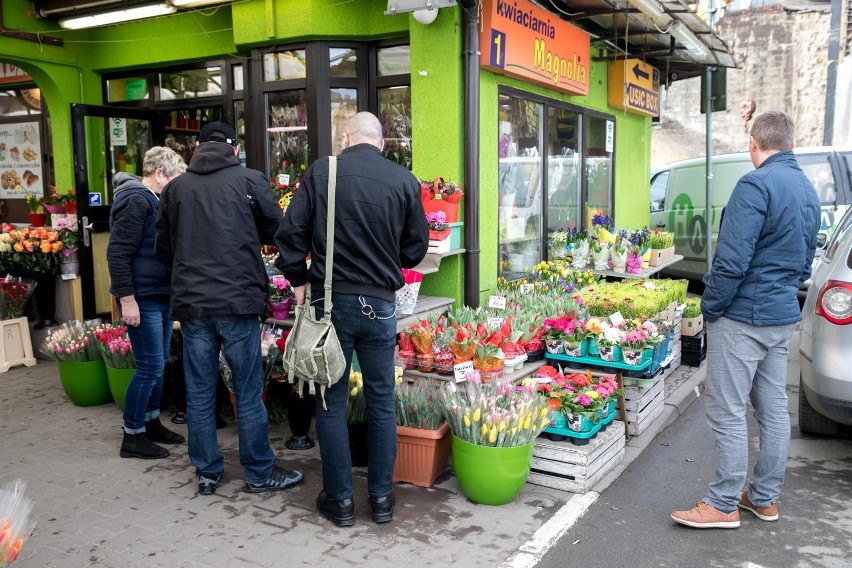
(280, 479)
(207, 484)
(139, 446)
(158, 433)
(179, 418)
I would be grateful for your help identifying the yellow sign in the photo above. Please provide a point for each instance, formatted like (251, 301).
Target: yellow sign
(634, 86)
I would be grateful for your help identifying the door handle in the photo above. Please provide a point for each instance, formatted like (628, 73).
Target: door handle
(87, 229)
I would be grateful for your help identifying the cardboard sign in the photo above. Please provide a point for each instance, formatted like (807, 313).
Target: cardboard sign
(460, 370)
(497, 302)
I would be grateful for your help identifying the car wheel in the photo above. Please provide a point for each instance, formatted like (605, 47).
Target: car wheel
(811, 421)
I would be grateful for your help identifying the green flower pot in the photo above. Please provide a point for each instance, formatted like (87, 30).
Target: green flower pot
(84, 382)
(119, 380)
(488, 475)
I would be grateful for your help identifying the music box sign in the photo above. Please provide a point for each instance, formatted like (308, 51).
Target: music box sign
(634, 86)
(522, 40)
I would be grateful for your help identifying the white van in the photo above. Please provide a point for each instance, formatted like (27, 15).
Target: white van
(678, 198)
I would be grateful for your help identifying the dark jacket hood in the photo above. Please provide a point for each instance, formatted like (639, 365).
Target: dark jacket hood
(122, 181)
(211, 157)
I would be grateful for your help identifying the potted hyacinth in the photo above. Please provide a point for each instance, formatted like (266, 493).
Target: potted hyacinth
(494, 426)
(422, 434)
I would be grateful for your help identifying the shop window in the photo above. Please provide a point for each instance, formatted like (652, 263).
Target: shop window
(520, 182)
(190, 84)
(284, 65)
(238, 78)
(554, 172)
(344, 103)
(394, 60)
(127, 89)
(240, 122)
(289, 152)
(342, 62)
(395, 114)
(598, 171)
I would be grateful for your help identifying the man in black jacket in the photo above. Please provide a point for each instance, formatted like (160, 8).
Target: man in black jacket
(210, 227)
(380, 228)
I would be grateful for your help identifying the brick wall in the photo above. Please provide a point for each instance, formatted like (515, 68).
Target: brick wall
(784, 68)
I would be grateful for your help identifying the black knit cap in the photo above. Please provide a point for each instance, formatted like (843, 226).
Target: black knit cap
(218, 132)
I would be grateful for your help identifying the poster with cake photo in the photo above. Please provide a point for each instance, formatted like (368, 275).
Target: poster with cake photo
(20, 160)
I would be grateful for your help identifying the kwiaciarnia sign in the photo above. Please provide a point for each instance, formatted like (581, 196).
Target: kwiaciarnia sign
(524, 41)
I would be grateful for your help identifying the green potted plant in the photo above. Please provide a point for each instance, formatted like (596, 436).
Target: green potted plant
(423, 436)
(494, 426)
(81, 367)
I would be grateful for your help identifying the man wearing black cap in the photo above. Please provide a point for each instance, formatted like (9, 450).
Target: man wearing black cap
(210, 227)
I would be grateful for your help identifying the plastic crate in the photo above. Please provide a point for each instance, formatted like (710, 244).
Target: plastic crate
(694, 345)
(692, 360)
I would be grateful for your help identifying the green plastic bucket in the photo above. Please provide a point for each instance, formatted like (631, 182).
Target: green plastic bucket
(85, 382)
(119, 380)
(488, 475)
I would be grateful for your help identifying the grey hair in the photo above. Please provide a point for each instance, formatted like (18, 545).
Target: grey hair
(774, 130)
(364, 127)
(165, 158)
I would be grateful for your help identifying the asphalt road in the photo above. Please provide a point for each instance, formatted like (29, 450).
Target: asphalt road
(629, 525)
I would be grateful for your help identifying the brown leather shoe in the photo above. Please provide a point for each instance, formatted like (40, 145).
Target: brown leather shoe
(769, 513)
(704, 516)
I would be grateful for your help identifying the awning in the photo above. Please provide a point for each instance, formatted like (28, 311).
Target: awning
(663, 33)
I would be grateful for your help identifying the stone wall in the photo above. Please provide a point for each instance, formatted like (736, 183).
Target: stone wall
(784, 68)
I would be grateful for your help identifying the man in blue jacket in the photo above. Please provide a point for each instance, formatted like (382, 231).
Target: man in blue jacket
(767, 241)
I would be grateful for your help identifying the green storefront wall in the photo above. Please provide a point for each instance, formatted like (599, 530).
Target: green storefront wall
(72, 74)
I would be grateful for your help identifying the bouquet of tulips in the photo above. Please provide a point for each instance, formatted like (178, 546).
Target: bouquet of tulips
(418, 405)
(15, 524)
(494, 413)
(356, 405)
(115, 345)
(72, 341)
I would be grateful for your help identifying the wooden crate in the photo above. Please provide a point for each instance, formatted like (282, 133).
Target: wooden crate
(643, 405)
(562, 465)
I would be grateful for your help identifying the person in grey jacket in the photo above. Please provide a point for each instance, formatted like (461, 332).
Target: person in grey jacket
(767, 241)
(211, 223)
(140, 283)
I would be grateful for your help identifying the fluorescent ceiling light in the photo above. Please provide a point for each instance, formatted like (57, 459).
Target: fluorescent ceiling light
(194, 3)
(654, 10)
(116, 16)
(693, 45)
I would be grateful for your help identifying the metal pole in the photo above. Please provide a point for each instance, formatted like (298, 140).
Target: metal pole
(708, 107)
(471, 152)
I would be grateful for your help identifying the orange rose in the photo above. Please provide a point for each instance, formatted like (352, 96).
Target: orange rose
(55, 247)
(45, 248)
(28, 245)
(18, 247)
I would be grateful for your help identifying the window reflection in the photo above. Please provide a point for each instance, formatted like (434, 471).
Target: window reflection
(191, 83)
(563, 170)
(284, 65)
(344, 103)
(395, 115)
(288, 135)
(342, 62)
(394, 60)
(598, 171)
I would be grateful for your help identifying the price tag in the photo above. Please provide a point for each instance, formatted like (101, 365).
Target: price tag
(495, 323)
(460, 370)
(498, 302)
(616, 319)
(283, 179)
(527, 288)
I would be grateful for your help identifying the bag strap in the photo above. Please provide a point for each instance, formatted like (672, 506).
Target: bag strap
(329, 248)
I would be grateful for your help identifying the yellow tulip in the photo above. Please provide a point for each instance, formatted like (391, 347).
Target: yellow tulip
(354, 391)
(492, 435)
(466, 421)
(483, 430)
(502, 425)
(543, 412)
(527, 423)
(477, 414)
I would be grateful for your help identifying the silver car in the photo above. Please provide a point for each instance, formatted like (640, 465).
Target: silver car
(825, 400)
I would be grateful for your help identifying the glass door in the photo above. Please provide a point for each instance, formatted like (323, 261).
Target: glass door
(107, 140)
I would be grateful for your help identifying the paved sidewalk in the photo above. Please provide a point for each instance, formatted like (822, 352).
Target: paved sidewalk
(94, 508)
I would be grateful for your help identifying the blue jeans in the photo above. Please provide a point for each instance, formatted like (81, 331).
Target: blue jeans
(151, 341)
(746, 361)
(370, 331)
(239, 338)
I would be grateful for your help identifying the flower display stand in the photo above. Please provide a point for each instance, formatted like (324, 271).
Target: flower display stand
(643, 403)
(421, 455)
(562, 465)
(15, 345)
